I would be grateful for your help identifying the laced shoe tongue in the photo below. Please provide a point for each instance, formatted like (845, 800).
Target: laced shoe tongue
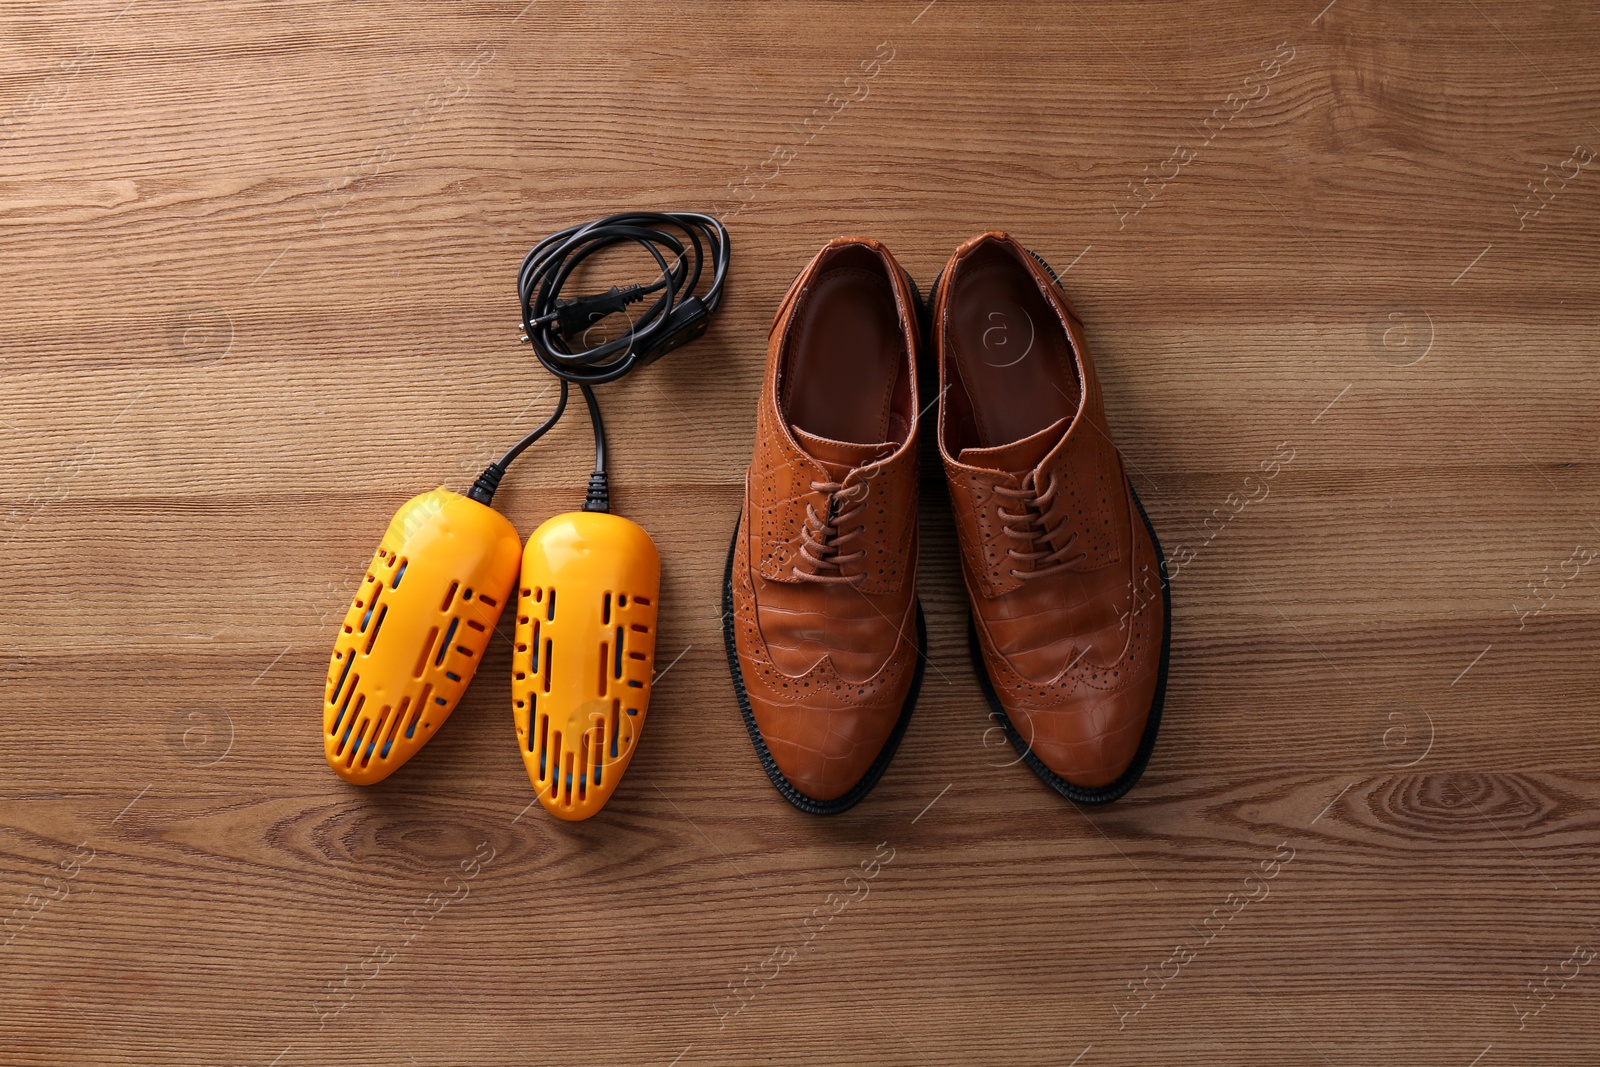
(1018, 456)
(840, 457)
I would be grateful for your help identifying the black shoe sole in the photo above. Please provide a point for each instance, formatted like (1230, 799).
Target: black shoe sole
(785, 787)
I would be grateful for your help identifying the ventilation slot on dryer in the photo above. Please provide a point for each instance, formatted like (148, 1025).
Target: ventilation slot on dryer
(349, 661)
(444, 646)
(420, 710)
(372, 638)
(377, 733)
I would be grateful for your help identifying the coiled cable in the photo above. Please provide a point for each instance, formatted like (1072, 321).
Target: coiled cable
(558, 329)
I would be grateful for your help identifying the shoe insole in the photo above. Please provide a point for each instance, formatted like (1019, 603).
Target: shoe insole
(1010, 349)
(845, 353)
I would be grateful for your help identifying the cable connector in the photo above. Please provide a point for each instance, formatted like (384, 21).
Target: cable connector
(687, 323)
(483, 489)
(577, 315)
(599, 496)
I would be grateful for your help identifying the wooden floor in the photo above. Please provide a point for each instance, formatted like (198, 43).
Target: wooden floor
(1339, 269)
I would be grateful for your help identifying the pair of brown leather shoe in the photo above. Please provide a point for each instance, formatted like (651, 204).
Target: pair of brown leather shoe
(1064, 574)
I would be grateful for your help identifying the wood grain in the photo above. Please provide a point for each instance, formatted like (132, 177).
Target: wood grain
(258, 291)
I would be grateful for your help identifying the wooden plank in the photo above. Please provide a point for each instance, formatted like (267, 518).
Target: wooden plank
(258, 291)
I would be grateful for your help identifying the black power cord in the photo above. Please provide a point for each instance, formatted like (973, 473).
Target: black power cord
(557, 328)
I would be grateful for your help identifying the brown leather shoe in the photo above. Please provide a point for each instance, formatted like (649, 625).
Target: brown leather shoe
(824, 634)
(1067, 583)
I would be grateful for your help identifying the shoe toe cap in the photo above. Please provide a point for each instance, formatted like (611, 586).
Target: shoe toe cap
(823, 749)
(1089, 738)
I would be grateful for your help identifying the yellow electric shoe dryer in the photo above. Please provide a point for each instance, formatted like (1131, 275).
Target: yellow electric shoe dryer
(416, 631)
(584, 656)
(584, 650)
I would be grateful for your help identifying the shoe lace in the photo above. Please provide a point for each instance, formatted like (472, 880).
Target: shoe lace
(821, 538)
(1034, 529)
